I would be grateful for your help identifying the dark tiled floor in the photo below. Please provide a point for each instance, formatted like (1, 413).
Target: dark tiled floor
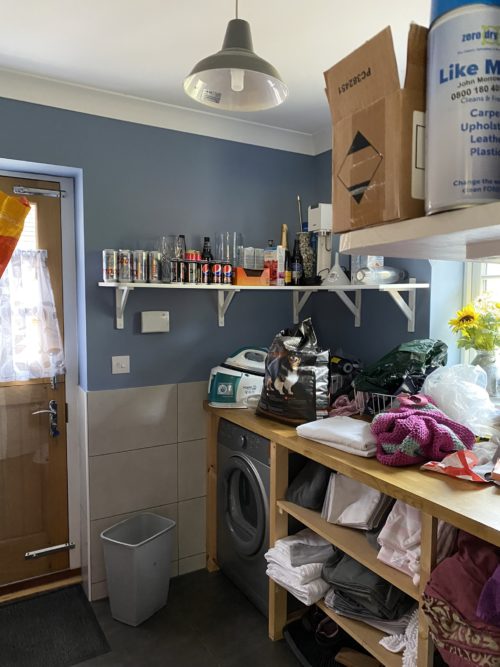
(207, 623)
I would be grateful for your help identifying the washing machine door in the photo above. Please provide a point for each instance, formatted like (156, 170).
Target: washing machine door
(245, 505)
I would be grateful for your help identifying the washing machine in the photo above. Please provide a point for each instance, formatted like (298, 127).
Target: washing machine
(243, 510)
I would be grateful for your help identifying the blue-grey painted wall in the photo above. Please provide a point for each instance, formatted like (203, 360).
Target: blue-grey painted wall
(141, 182)
(137, 183)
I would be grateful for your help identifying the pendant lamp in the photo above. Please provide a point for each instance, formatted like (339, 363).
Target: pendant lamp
(235, 78)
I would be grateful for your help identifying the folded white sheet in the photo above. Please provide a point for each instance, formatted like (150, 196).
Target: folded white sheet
(308, 593)
(345, 433)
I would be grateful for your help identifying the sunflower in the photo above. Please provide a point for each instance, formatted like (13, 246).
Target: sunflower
(466, 318)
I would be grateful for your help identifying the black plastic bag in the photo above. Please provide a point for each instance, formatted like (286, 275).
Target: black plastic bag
(296, 382)
(404, 368)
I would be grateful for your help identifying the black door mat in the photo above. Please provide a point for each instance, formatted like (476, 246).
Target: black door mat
(56, 629)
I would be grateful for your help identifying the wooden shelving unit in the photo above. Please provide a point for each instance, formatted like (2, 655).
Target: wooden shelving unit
(365, 635)
(352, 542)
(462, 504)
(465, 234)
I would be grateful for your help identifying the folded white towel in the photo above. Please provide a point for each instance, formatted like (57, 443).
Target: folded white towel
(308, 593)
(345, 433)
(367, 453)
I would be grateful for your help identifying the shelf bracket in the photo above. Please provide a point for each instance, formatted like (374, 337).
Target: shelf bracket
(299, 302)
(121, 296)
(353, 306)
(224, 298)
(408, 309)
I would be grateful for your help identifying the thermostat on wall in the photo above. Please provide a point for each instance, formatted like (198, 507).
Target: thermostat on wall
(155, 321)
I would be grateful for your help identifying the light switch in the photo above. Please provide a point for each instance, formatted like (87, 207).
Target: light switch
(155, 321)
(120, 365)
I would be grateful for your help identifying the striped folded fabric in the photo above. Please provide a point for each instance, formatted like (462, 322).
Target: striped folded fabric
(13, 211)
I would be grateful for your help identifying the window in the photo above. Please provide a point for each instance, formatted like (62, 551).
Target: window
(28, 239)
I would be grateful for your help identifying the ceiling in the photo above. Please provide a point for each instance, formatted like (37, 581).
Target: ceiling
(144, 49)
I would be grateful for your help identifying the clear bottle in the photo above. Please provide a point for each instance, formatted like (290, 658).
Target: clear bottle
(380, 276)
(297, 267)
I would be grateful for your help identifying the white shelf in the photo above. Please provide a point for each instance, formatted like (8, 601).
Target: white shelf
(300, 295)
(464, 234)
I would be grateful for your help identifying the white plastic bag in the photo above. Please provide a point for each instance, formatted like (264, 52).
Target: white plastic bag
(459, 391)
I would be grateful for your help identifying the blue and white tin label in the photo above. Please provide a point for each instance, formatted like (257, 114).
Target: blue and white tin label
(463, 109)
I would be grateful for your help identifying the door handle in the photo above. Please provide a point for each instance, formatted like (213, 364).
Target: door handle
(52, 412)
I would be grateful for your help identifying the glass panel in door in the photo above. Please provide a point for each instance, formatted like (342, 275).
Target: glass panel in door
(33, 462)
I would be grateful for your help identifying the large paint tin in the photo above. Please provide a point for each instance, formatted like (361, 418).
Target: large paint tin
(463, 105)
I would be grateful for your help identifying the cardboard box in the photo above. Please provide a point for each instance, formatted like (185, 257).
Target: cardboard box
(274, 260)
(378, 133)
(251, 277)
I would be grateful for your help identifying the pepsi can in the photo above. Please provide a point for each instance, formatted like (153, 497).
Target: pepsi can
(227, 274)
(205, 273)
(217, 273)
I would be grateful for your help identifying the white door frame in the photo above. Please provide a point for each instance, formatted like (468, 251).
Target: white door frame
(71, 177)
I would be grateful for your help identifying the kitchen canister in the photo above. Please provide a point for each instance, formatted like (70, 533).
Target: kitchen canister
(463, 105)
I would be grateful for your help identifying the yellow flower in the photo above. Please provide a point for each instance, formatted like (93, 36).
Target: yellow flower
(467, 317)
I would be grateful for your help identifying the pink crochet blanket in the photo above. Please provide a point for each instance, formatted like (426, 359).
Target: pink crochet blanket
(409, 435)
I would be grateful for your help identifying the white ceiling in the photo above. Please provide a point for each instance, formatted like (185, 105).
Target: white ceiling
(144, 49)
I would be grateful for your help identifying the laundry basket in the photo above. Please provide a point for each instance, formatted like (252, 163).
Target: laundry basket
(137, 555)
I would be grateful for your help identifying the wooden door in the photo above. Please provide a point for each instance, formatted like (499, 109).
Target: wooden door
(33, 463)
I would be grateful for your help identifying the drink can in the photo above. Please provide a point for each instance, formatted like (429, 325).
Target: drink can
(205, 273)
(227, 273)
(124, 266)
(216, 273)
(192, 272)
(139, 266)
(174, 271)
(154, 268)
(110, 265)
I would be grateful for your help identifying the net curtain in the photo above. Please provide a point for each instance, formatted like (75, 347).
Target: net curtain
(30, 337)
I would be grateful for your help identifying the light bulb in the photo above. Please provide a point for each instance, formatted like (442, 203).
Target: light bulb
(237, 80)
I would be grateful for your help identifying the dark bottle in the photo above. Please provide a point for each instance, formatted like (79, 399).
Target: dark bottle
(206, 253)
(288, 261)
(297, 267)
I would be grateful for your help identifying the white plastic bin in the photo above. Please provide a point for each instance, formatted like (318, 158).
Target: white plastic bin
(137, 554)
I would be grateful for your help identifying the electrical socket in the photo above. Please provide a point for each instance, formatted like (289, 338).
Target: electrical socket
(120, 365)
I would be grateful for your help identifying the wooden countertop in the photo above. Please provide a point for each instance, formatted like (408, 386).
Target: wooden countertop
(470, 506)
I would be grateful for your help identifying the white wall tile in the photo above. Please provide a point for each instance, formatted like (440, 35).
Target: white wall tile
(124, 419)
(192, 465)
(192, 418)
(130, 481)
(96, 546)
(192, 563)
(99, 590)
(192, 527)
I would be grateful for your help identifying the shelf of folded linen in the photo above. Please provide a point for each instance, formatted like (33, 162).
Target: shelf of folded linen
(353, 542)
(366, 635)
